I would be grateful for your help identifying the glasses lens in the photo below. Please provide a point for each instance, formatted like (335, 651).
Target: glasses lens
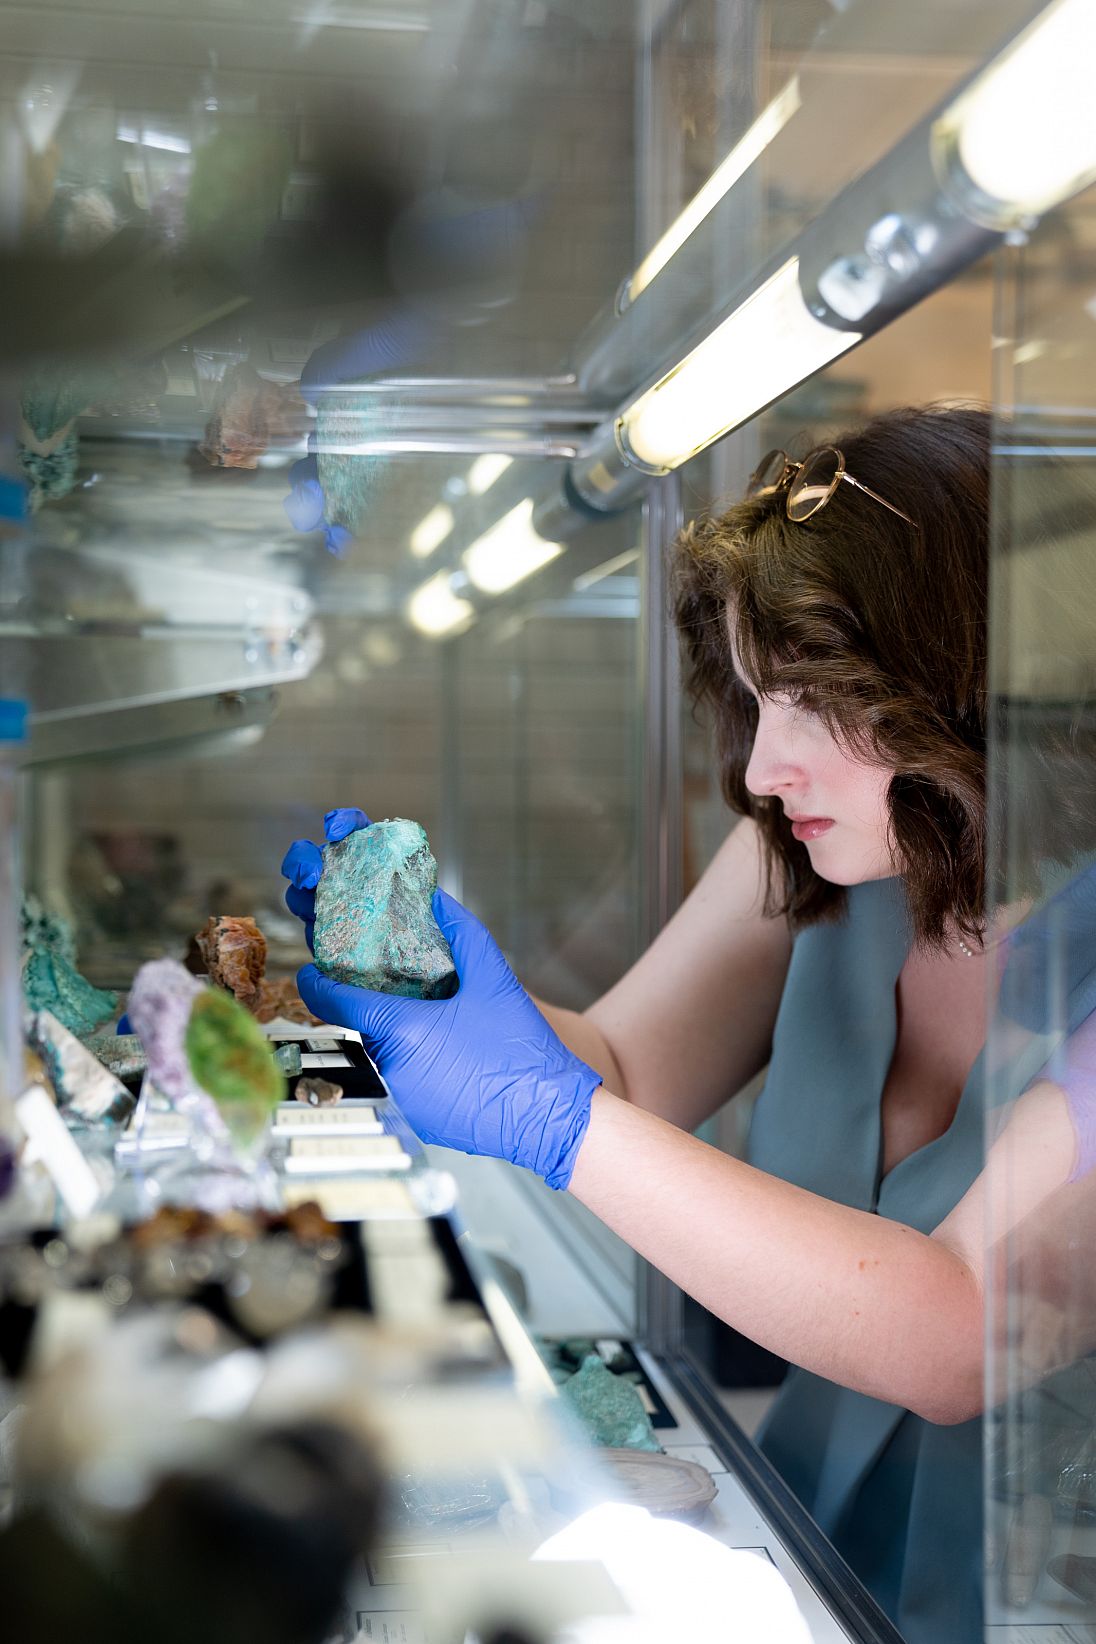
(768, 473)
(813, 486)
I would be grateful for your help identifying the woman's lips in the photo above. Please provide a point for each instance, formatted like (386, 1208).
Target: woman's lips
(806, 828)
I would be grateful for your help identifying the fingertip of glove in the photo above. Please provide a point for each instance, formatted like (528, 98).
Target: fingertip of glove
(345, 820)
(302, 864)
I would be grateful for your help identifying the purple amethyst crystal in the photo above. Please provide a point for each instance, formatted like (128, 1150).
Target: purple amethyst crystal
(159, 1010)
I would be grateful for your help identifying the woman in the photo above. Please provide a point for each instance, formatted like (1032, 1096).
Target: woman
(836, 624)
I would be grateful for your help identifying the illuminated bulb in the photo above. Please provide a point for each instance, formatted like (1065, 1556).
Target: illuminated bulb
(770, 343)
(769, 123)
(1026, 133)
(509, 551)
(435, 609)
(431, 531)
(485, 471)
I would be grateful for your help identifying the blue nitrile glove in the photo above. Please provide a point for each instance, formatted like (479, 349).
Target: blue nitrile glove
(481, 1072)
(502, 1116)
(303, 864)
(305, 505)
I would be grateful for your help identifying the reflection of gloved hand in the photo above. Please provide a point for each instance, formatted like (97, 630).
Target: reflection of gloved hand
(305, 507)
(483, 1071)
(303, 864)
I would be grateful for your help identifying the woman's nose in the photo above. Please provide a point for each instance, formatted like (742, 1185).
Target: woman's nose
(772, 768)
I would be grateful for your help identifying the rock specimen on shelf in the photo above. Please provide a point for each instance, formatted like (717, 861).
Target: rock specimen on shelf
(122, 1053)
(281, 999)
(609, 1407)
(287, 1059)
(50, 978)
(317, 1092)
(229, 1057)
(84, 1088)
(234, 950)
(375, 925)
(159, 1005)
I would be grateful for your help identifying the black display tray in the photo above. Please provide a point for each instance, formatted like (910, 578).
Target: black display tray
(348, 1276)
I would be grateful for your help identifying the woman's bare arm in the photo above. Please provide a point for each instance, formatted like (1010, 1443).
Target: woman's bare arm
(864, 1301)
(582, 1035)
(691, 1022)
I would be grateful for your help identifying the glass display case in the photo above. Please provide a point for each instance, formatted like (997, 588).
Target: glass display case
(329, 320)
(1040, 1370)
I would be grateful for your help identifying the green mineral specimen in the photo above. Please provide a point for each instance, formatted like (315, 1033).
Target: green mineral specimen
(50, 978)
(375, 925)
(287, 1059)
(229, 1056)
(609, 1407)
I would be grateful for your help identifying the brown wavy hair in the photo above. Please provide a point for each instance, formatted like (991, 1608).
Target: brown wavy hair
(879, 629)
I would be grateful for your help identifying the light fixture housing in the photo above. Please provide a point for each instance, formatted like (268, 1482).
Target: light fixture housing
(1021, 138)
(765, 346)
(509, 551)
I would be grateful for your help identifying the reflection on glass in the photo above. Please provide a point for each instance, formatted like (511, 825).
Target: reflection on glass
(1041, 1408)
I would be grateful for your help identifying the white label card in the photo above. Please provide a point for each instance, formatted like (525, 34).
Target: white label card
(49, 1140)
(391, 1627)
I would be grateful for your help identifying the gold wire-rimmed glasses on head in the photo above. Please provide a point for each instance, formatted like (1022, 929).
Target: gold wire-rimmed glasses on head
(811, 483)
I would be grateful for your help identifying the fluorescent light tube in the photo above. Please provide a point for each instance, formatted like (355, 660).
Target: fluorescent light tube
(509, 551)
(607, 568)
(1024, 130)
(770, 343)
(485, 471)
(769, 123)
(434, 608)
(431, 531)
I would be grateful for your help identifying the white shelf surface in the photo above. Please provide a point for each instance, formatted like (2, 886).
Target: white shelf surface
(563, 1301)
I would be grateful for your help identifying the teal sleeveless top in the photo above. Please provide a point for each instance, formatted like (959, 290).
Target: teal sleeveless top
(899, 1497)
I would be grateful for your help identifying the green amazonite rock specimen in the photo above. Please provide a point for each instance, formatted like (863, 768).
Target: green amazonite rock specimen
(375, 925)
(50, 978)
(609, 1407)
(229, 1056)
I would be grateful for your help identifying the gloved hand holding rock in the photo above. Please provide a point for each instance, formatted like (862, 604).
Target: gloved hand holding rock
(482, 1071)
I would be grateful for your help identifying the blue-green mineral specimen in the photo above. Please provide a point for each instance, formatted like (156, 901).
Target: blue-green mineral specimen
(348, 479)
(287, 1059)
(609, 1407)
(50, 978)
(375, 925)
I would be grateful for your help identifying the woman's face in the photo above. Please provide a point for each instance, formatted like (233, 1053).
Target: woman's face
(837, 805)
